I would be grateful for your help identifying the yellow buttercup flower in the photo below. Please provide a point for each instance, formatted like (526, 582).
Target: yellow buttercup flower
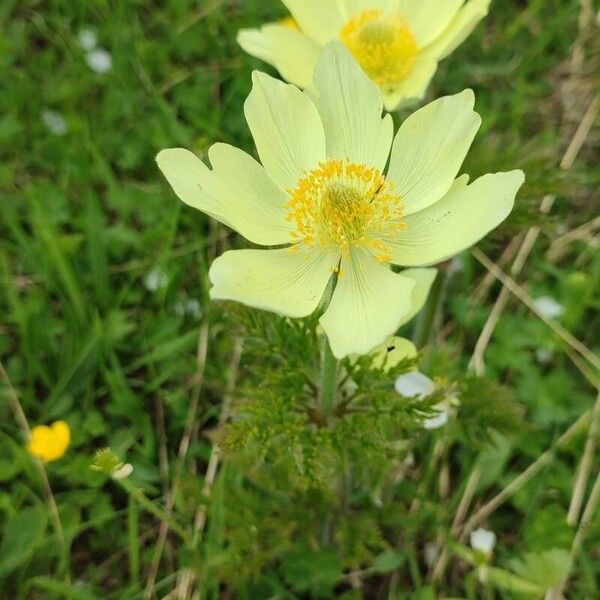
(49, 443)
(398, 43)
(323, 195)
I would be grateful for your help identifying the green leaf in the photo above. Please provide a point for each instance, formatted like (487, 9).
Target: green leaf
(548, 569)
(65, 590)
(21, 537)
(548, 527)
(306, 570)
(425, 593)
(388, 561)
(512, 583)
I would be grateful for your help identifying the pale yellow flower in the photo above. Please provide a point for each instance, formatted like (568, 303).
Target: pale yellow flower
(321, 196)
(49, 443)
(398, 43)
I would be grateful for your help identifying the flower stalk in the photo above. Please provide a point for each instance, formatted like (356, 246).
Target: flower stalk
(329, 373)
(161, 514)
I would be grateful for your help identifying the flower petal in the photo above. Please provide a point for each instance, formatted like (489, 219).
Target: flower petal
(423, 279)
(350, 106)
(430, 147)
(236, 192)
(413, 87)
(286, 128)
(367, 305)
(459, 220)
(321, 20)
(460, 27)
(392, 352)
(291, 52)
(429, 18)
(186, 173)
(353, 7)
(276, 280)
(440, 419)
(483, 540)
(249, 199)
(62, 434)
(414, 383)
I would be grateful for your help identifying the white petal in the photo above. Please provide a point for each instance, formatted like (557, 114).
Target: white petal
(549, 307)
(430, 147)
(368, 303)
(319, 19)
(460, 27)
(237, 192)
(156, 280)
(87, 38)
(431, 553)
(275, 280)
(429, 18)
(286, 128)
(122, 472)
(291, 52)
(414, 383)
(350, 106)
(439, 420)
(544, 356)
(483, 540)
(99, 60)
(55, 122)
(459, 220)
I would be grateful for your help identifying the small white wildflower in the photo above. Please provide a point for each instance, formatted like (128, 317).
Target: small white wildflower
(99, 60)
(483, 540)
(87, 39)
(440, 419)
(418, 384)
(549, 307)
(54, 121)
(190, 306)
(457, 265)
(414, 383)
(432, 552)
(122, 472)
(544, 356)
(156, 280)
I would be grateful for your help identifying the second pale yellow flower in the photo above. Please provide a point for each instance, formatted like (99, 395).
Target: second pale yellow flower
(398, 43)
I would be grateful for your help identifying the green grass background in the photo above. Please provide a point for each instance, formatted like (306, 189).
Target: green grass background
(86, 217)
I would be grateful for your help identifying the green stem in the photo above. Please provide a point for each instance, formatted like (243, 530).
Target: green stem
(153, 508)
(329, 372)
(427, 317)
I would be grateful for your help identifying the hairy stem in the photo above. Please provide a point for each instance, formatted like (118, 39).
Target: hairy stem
(329, 373)
(153, 508)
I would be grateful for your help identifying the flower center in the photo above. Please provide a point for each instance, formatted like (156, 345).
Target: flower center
(345, 205)
(382, 43)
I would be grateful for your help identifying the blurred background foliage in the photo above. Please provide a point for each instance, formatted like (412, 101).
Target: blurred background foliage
(105, 322)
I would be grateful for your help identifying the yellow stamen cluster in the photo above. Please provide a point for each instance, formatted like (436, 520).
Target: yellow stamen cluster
(341, 204)
(382, 43)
